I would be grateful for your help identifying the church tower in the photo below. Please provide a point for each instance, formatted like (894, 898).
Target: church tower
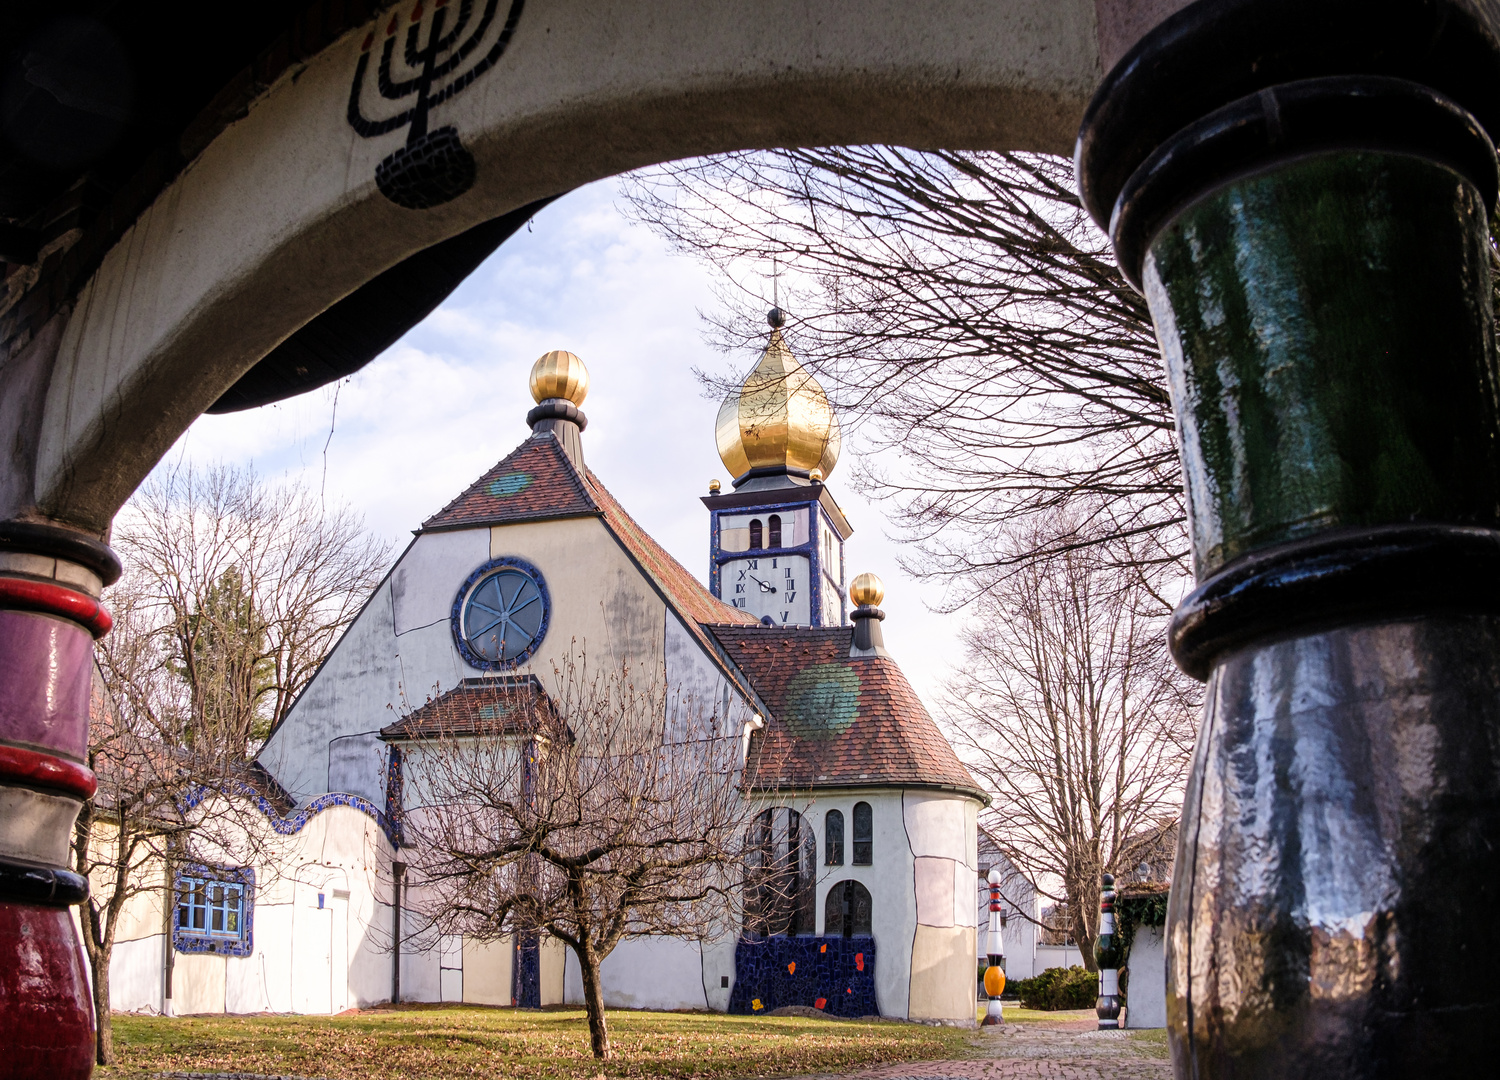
(777, 541)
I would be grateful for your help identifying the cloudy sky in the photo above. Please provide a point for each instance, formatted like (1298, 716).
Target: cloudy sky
(426, 418)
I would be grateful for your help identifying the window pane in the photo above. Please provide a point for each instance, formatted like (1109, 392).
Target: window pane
(833, 838)
(775, 529)
(755, 536)
(864, 830)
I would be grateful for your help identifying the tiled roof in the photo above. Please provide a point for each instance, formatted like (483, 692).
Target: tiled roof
(837, 722)
(477, 707)
(536, 481)
(686, 593)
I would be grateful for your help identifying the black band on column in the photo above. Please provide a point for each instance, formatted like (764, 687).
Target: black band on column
(35, 538)
(1216, 51)
(21, 884)
(1340, 577)
(1293, 120)
(557, 409)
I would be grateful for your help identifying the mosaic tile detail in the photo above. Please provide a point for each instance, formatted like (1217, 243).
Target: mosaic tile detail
(185, 940)
(835, 974)
(292, 825)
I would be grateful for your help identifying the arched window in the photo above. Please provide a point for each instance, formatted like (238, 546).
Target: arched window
(833, 838)
(755, 537)
(775, 524)
(864, 834)
(847, 910)
(779, 879)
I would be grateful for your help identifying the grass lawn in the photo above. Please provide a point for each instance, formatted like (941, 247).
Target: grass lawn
(417, 1042)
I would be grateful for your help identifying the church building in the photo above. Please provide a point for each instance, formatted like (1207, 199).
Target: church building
(535, 557)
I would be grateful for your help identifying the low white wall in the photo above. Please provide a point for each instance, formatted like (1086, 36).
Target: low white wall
(1051, 956)
(645, 973)
(137, 974)
(1147, 1000)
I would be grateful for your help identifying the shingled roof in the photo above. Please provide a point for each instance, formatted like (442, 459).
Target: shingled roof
(538, 481)
(686, 592)
(535, 482)
(836, 721)
(500, 706)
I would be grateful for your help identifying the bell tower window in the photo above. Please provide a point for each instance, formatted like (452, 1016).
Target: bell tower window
(775, 523)
(755, 534)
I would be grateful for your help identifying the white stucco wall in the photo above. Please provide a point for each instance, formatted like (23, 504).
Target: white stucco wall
(654, 972)
(942, 831)
(136, 974)
(1147, 1001)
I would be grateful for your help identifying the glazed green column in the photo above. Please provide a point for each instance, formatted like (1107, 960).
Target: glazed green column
(1302, 191)
(1329, 338)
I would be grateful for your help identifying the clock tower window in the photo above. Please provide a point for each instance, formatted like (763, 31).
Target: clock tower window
(755, 535)
(775, 530)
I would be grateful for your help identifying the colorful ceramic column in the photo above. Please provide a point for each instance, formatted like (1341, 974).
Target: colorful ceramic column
(1107, 959)
(1301, 189)
(50, 580)
(994, 974)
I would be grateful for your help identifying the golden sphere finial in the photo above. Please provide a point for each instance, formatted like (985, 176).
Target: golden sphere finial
(713, 486)
(816, 476)
(559, 374)
(867, 590)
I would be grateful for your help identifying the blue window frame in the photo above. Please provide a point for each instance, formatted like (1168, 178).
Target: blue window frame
(214, 910)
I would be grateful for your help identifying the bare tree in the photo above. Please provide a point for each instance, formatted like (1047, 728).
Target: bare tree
(1070, 708)
(611, 807)
(149, 809)
(231, 596)
(248, 586)
(964, 312)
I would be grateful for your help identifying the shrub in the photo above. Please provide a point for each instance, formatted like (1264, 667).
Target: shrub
(1059, 988)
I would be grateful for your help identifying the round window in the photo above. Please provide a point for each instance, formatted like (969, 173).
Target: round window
(500, 614)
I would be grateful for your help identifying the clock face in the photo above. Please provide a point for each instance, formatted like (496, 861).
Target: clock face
(500, 614)
(777, 586)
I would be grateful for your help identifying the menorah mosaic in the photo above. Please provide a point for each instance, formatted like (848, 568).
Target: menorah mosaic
(834, 974)
(433, 167)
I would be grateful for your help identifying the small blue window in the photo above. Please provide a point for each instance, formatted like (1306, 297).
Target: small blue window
(213, 910)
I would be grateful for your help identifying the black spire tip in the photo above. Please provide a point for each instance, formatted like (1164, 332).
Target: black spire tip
(777, 318)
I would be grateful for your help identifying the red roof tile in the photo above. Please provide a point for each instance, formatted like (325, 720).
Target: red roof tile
(536, 481)
(497, 706)
(686, 593)
(836, 721)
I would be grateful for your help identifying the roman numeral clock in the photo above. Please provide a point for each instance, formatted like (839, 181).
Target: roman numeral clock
(777, 541)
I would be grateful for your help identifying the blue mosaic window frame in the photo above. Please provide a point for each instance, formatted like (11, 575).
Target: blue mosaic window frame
(471, 585)
(222, 942)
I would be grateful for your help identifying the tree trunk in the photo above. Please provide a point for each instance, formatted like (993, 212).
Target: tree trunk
(593, 1002)
(104, 1031)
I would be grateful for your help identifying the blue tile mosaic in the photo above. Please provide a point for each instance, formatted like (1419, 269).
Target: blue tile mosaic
(290, 826)
(835, 974)
(185, 940)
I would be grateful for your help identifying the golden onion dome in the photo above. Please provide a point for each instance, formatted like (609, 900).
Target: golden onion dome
(867, 590)
(780, 417)
(559, 374)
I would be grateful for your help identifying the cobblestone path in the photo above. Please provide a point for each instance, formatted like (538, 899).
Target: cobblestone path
(1036, 1051)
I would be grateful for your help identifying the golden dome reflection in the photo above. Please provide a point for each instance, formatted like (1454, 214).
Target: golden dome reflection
(780, 417)
(559, 374)
(867, 590)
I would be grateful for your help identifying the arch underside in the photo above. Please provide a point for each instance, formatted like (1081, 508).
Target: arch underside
(280, 217)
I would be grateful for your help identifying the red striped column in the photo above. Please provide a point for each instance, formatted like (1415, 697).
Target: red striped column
(50, 580)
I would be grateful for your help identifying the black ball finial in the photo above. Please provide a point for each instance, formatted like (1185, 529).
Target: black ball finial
(1109, 881)
(777, 318)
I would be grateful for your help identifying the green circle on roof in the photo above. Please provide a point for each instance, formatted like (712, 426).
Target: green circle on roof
(510, 484)
(821, 701)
